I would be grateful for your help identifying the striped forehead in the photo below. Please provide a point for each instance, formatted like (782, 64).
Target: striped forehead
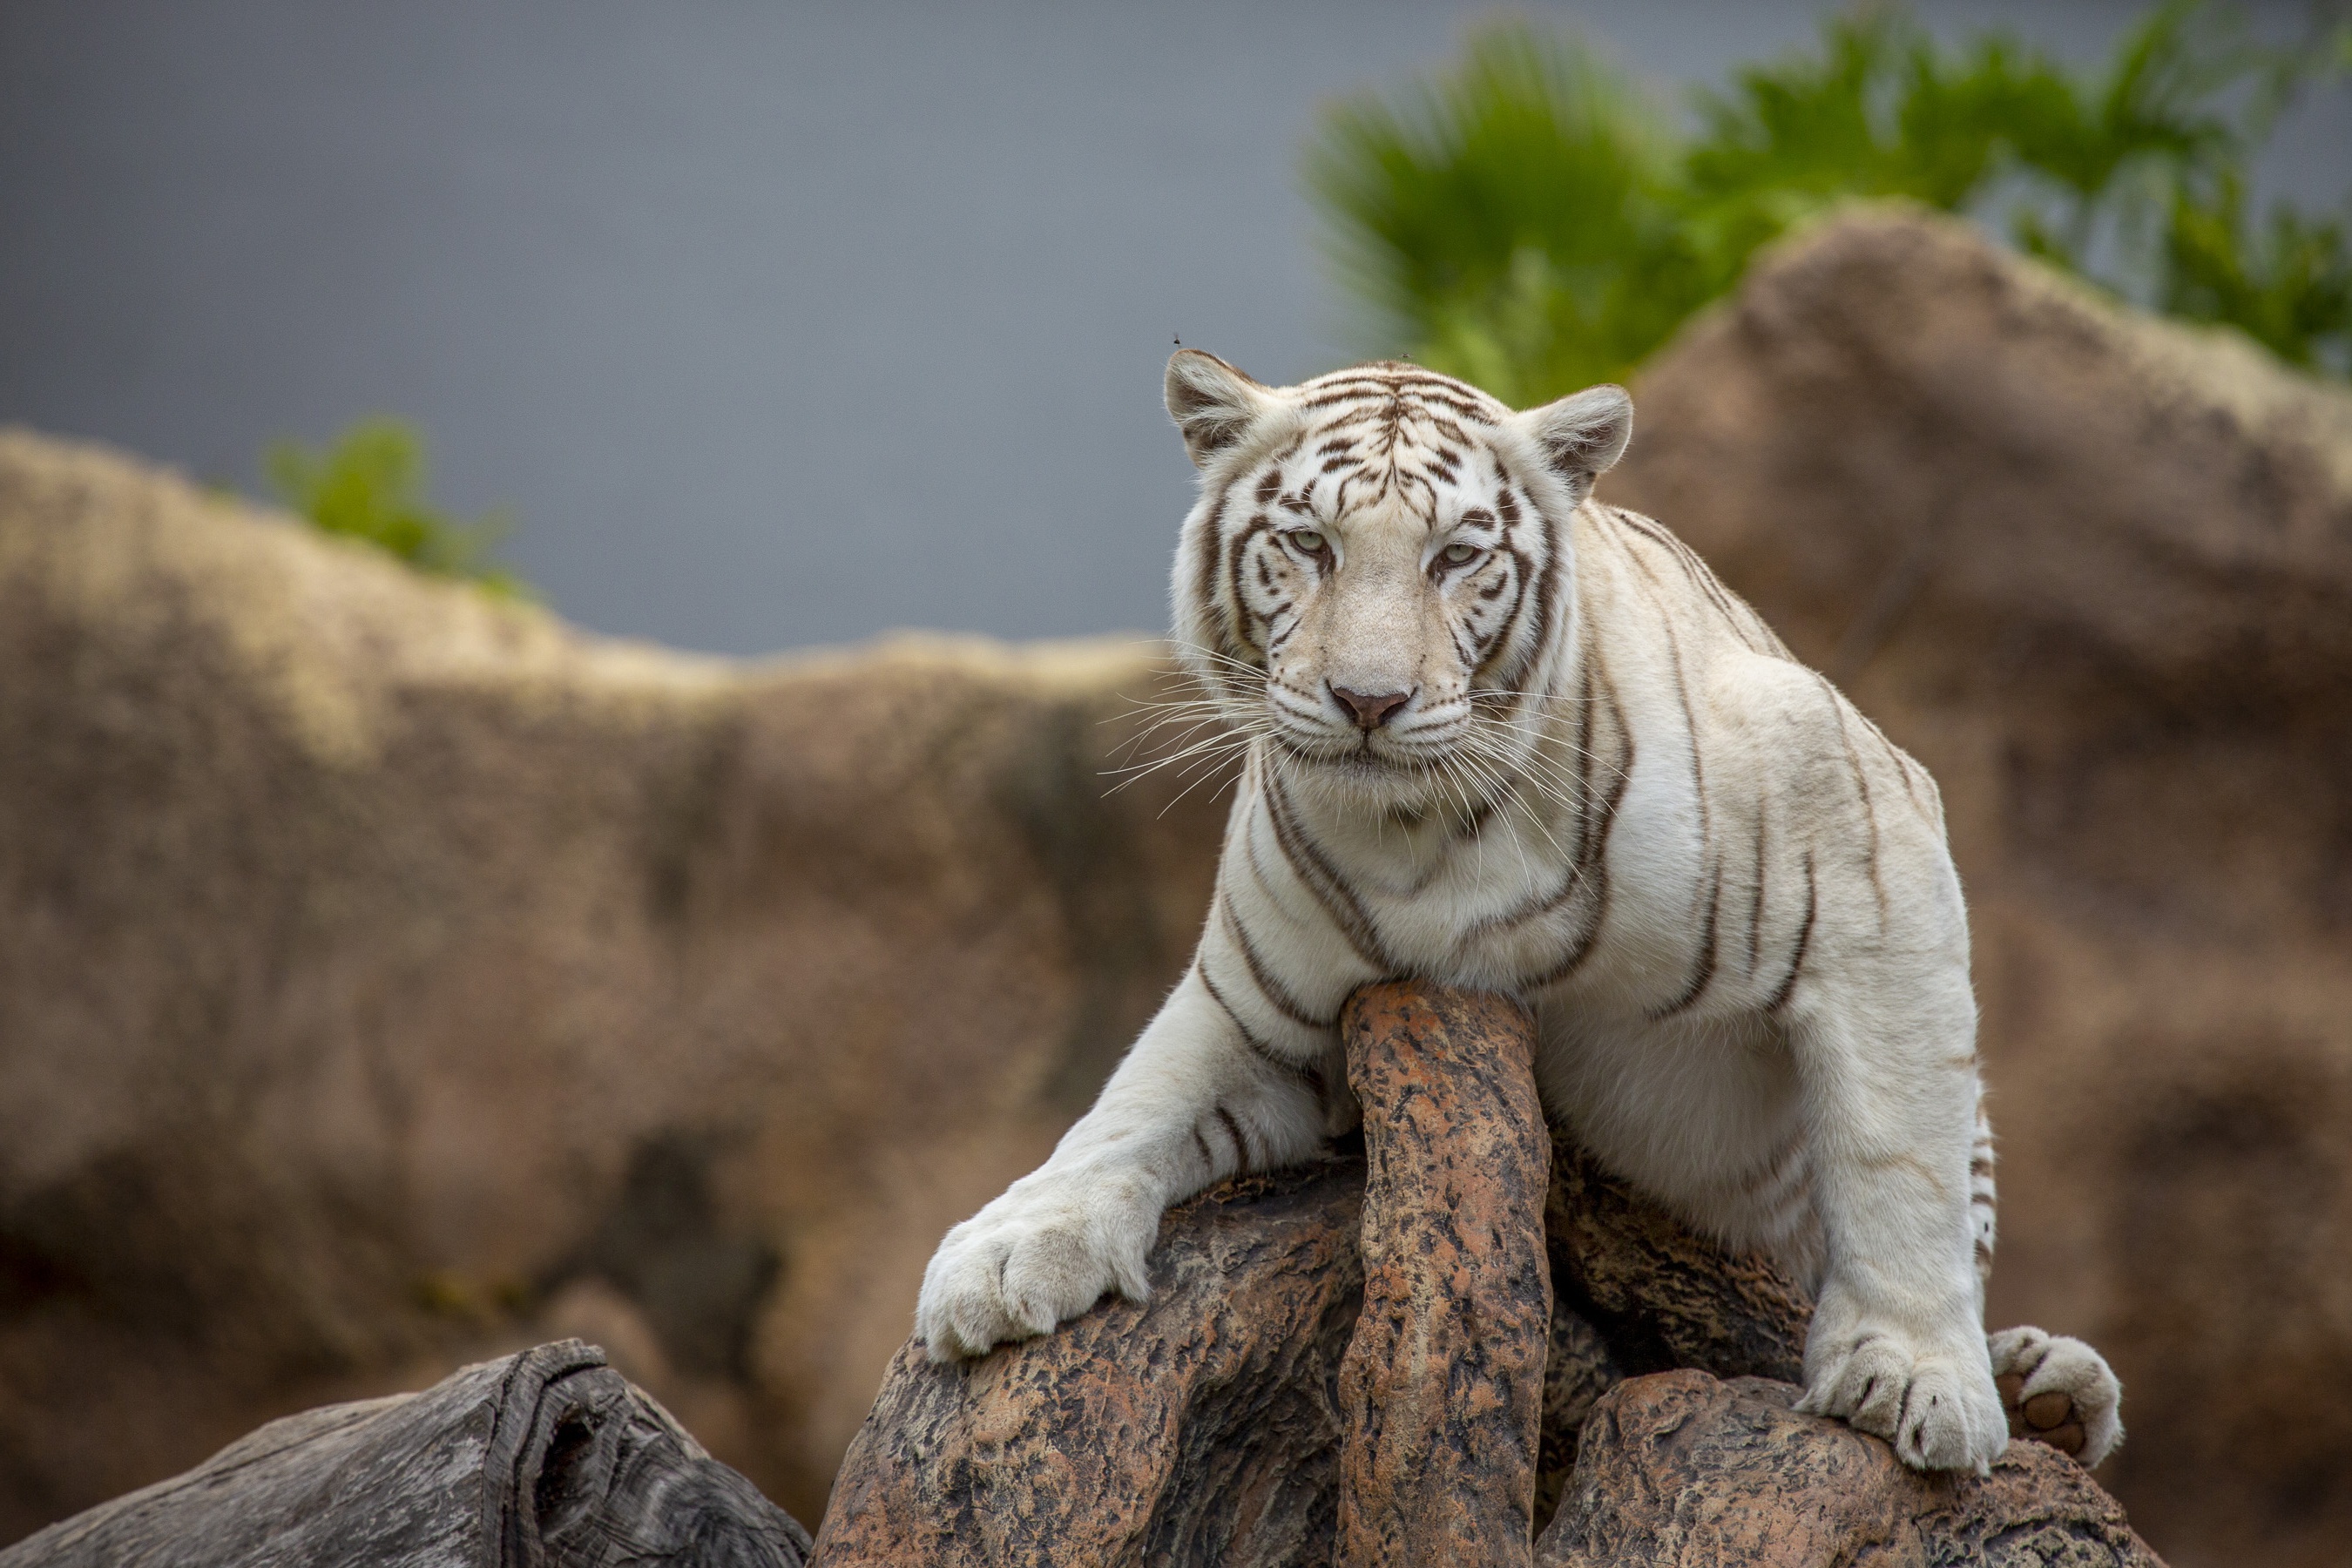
(1371, 432)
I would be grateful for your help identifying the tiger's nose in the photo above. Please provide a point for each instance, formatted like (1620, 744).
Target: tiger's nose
(1372, 712)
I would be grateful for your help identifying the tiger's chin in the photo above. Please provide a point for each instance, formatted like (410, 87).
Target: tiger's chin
(1367, 776)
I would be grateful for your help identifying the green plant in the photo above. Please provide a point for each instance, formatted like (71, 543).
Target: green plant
(369, 484)
(1517, 222)
(1530, 219)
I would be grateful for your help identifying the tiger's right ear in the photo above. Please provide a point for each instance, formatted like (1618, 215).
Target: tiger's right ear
(1212, 404)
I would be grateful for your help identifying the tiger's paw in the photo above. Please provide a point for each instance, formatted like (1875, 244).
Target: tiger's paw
(1936, 1404)
(1038, 1255)
(2058, 1390)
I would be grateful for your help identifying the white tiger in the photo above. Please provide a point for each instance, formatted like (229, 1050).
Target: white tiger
(1501, 735)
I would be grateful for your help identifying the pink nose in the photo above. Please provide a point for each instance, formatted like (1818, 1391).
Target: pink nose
(1372, 712)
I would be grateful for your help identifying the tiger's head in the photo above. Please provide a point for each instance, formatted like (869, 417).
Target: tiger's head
(1376, 577)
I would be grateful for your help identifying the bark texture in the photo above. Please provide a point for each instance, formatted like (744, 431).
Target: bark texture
(1679, 1469)
(1442, 1388)
(544, 1459)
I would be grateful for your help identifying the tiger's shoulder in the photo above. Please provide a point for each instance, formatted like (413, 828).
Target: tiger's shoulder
(1740, 685)
(1669, 579)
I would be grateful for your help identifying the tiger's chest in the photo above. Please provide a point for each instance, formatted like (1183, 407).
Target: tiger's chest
(1528, 904)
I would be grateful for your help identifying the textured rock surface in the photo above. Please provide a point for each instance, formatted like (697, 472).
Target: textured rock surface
(1197, 1428)
(390, 978)
(545, 1458)
(2095, 571)
(1634, 1292)
(1347, 1358)
(1286, 1399)
(1662, 1296)
(1289, 1391)
(1680, 1470)
(1442, 1389)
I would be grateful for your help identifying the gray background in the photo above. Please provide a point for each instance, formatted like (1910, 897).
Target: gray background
(774, 325)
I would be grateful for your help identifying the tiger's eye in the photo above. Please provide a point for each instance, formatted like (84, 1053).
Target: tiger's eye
(1455, 554)
(1309, 540)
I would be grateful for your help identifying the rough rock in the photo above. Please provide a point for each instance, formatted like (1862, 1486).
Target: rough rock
(1267, 1403)
(2095, 571)
(391, 977)
(1348, 1358)
(1680, 1469)
(1199, 1427)
(545, 1458)
(1289, 1397)
(1634, 1292)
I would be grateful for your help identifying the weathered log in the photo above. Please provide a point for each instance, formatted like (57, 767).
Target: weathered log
(547, 1458)
(1443, 1385)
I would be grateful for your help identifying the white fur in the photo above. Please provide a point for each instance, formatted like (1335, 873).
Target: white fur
(1610, 791)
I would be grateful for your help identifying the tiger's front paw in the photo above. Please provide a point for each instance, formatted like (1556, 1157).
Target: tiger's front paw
(1936, 1403)
(2058, 1390)
(1041, 1254)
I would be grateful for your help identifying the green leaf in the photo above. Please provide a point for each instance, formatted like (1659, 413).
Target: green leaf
(369, 485)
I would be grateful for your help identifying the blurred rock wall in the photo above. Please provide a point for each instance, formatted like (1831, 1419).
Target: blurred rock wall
(388, 975)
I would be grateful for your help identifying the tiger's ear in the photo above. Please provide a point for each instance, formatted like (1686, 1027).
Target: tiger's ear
(1583, 434)
(1212, 404)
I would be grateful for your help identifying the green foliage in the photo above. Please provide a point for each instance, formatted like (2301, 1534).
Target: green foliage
(369, 484)
(1531, 221)
(1517, 220)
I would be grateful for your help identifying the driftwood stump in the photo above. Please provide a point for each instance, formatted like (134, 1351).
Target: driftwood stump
(544, 1459)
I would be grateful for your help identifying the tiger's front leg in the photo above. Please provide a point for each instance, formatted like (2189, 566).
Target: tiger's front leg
(1191, 1104)
(1897, 1345)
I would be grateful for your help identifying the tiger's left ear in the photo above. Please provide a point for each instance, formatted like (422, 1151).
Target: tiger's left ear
(1212, 404)
(1583, 435)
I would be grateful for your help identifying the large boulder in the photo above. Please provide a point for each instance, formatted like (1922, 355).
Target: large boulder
(391, 977)
(2095, 571)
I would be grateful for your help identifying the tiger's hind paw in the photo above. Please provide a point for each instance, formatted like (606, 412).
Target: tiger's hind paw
(2057, 1391)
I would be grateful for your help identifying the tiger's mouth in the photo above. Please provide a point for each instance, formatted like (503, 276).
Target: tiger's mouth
(1365, 756)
